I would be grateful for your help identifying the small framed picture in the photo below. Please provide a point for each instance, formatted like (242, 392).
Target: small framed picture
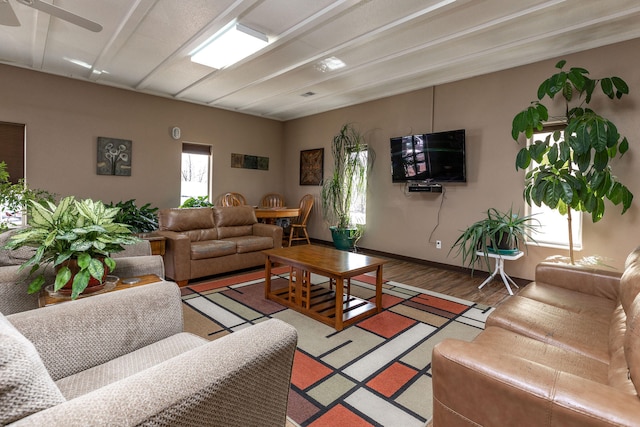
(311, 166)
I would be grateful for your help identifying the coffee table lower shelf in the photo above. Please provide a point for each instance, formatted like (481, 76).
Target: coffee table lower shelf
(323, 305)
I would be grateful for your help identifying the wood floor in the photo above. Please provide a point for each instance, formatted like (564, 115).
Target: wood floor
(459, 284)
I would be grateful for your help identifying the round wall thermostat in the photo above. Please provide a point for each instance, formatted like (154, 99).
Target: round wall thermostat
(175, 132)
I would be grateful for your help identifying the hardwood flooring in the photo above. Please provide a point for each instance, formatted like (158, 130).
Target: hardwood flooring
(459, 284)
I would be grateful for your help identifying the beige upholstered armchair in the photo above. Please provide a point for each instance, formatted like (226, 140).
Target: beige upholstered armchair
(135, 260)
(122, 359)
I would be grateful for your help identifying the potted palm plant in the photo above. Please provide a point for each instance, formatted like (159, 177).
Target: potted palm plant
(77, 237)
(499, 232)
(349, 177)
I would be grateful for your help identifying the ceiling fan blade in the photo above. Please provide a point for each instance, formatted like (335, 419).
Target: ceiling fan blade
(7, 15)
(63, 14)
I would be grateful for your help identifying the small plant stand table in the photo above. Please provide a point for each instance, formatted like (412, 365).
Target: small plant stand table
(500, 259)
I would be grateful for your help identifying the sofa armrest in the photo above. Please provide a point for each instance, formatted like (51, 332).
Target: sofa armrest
(592, 281)
(490, 388)
(241, 379)
(68, 335)
(269, 230)
(13, 290)
(177, 255)
(139, 266)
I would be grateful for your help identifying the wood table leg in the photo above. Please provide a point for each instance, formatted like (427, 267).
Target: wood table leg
(379, 288)
(339, 303)
(267, 278)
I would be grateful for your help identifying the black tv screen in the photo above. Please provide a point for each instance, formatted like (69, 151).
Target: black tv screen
(437, 157)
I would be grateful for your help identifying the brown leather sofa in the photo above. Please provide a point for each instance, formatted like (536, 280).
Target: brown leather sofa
(565, 351)
(206, 241)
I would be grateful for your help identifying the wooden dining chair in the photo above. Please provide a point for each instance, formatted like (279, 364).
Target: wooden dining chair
(299, 224)
(231, 199)
(272, 200)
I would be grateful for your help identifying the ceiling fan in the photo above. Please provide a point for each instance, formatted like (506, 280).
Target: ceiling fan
(8, 16)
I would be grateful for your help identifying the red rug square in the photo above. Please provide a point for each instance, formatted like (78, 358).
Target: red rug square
(386, 324)
(392, 379)
(442, 304)
(307, 371)
(340, 416)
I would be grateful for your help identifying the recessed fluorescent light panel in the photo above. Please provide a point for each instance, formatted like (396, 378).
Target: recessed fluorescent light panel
(229, 46)
(330, 64)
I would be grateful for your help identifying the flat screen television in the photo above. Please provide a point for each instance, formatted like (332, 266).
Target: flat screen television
(429, 157)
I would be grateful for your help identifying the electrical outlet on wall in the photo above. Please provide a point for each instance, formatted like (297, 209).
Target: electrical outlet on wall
(438, 244)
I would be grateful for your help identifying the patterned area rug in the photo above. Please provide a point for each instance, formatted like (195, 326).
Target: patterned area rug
(376, 372)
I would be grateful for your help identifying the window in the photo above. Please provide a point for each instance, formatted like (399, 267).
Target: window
(358, 212)
(12, 147)
(195, 171)
(554, 231)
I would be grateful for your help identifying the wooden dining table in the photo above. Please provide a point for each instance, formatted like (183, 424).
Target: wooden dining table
(273, 213)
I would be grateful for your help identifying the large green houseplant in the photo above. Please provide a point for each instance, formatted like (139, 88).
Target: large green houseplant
(572, 170)
(499, 232)
(143, 219)
(81, 232)
(348, 178)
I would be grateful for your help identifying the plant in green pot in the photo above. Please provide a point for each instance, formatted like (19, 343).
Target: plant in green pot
(77, 237)
(499, 232)
(351, 164)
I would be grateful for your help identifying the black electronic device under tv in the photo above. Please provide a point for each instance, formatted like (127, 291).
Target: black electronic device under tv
(430, 157)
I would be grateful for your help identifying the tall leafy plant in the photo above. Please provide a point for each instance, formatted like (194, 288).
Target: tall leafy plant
(15, 197)
(573, 171)
(347, 179)
(82, 230)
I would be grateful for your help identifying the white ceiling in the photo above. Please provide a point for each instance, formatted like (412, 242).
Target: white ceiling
(389, 46)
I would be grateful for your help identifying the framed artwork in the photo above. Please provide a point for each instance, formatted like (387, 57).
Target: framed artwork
(311, 166)
(246, 161)
(114, 156)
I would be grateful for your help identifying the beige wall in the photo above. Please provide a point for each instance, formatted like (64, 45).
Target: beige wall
(64, 117)
(409, 224)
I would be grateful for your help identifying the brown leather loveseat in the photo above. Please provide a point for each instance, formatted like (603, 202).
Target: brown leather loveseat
(565, 351)
(206, 241)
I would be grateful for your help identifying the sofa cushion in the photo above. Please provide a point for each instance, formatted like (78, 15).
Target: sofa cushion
(202, 234)
(124, 366)
(181, 219)
(212, 248)
(237, 231)
(508, 342)
(632, 343)
(587, 335)
(577, 302)
(25, 385)
(251, 243)
(630, 281)
(230, 216)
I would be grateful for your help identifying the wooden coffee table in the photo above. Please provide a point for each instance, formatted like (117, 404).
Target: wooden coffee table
(332, 307)
(49, 299)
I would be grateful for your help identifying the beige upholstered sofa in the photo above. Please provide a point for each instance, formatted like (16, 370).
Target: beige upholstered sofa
(135, 260)
(206, 241)
(565, 351)
(122, 359)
